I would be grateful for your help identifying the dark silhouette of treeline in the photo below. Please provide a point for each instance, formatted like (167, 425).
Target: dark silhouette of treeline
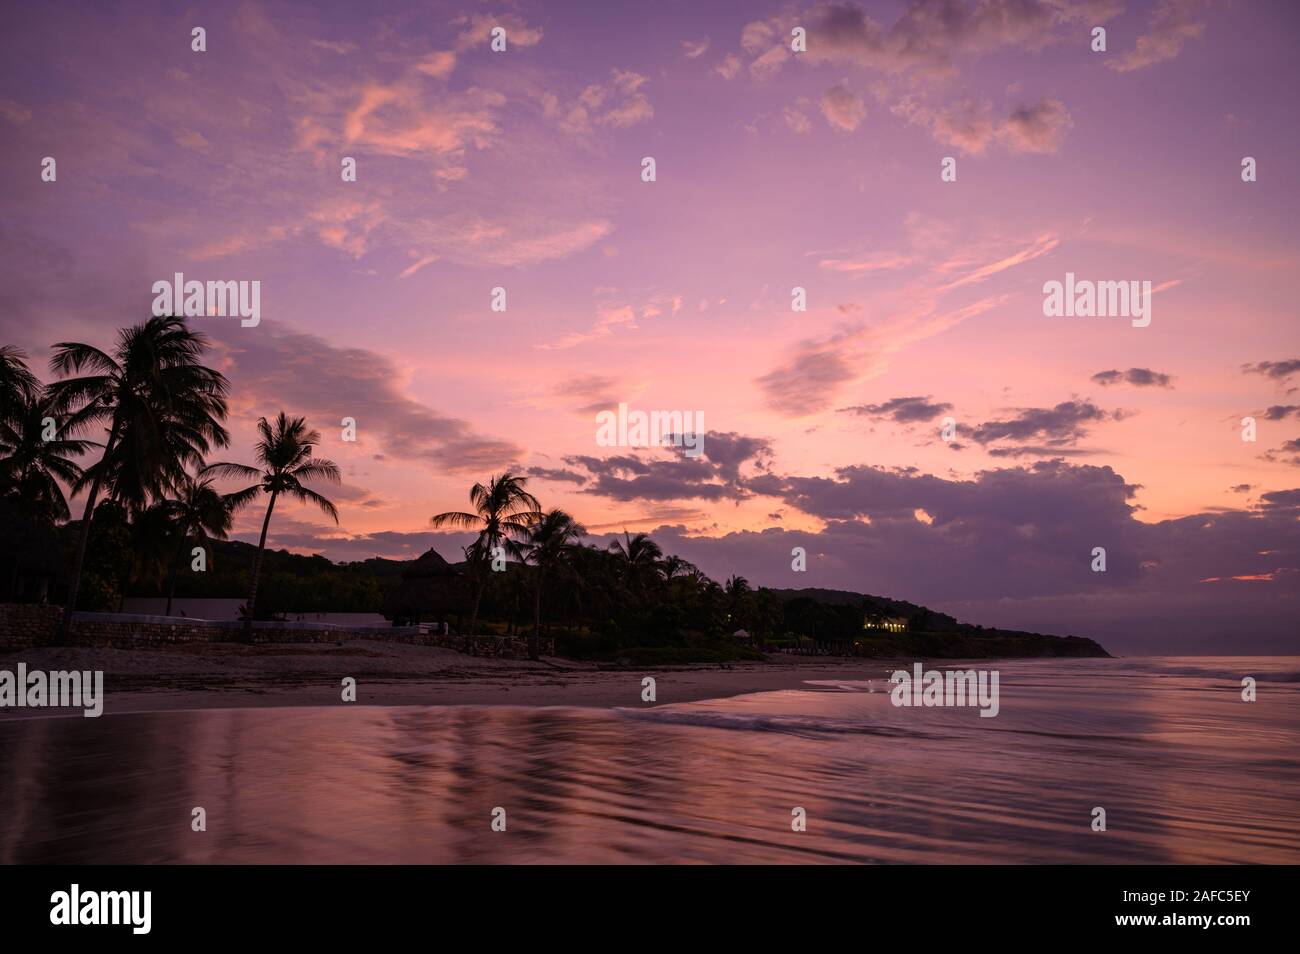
(130, 430)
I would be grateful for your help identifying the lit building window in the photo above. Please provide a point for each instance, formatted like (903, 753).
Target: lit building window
(890, 624)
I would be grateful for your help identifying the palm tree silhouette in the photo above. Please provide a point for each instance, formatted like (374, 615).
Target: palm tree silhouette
(163, 410)
(738, 593)
(639, 558)
(737, 586)
(551, 542)
(285, 454)
(35, 469)
(17, 383)
(199, 511)
(503, 513)
(674, 567)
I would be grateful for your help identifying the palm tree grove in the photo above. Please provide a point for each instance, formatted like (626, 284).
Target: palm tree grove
(110, 488)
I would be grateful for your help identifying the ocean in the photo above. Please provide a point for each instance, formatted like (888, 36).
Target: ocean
(1184, 769)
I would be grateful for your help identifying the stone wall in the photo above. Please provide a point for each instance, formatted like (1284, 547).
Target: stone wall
(27, 624)
(129, 631)
(23, 625)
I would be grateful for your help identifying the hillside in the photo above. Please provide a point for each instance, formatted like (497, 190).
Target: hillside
(794, 616)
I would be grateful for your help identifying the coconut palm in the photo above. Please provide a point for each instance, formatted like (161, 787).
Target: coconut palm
(552, 540)
(737, 586)
(34, 468)
(18, 388)
(17, 384)
(503, 513)
(674, 567)
(162, 409)
(639, 558)
(33, 474)
(739, 596)
(285, 455)
(199, 512)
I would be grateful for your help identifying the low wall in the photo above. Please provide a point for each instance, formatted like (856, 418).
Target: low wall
(27, 624)
(23, 625)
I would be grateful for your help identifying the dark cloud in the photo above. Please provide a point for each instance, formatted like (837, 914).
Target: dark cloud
(557, 475)
(1288, 453)
(714, 475)
(931, 35)
(1013, 548)
(727, 451)
(901, 410)
(1038, 450)
(304, 374)
(1273, 369)
(1280, 412)
(1138, 377)
(623, 478)
(1287, 501)
(1020, 494)
(1053, 428)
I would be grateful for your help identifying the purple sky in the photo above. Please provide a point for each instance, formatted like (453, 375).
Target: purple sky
(775, 169)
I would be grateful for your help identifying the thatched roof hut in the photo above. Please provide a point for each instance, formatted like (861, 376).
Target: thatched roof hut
(431, 590)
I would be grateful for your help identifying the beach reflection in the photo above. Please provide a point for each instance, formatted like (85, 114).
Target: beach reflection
(1186, 771)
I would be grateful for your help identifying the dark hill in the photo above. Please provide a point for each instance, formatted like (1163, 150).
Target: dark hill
(315, 584)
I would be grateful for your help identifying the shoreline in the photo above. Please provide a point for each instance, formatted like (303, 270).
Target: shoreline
(229, 675)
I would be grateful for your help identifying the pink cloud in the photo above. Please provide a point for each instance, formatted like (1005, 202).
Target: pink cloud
(1172, 24)
(843, 109)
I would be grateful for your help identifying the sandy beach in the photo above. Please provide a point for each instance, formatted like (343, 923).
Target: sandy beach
(232, 675)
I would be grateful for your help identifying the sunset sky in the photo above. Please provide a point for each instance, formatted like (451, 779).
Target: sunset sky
(775, 169)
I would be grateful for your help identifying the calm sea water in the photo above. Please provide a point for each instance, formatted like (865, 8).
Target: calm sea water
(1186, 771)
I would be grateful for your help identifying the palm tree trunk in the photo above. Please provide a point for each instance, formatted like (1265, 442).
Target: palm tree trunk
(257, 569)
(176, 571)
(535, 643)
(474, 562)
(84, 539)
(473, 616)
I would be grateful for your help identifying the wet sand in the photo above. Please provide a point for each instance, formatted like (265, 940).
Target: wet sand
(232, 675)
(1187, 771)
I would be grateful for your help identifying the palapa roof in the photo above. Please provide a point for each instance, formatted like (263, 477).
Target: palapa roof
(430, 565)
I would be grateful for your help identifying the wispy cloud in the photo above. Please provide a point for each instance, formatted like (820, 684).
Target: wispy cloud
(693, 49)
(820, 368)
(614, 313)
(1173, 23)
